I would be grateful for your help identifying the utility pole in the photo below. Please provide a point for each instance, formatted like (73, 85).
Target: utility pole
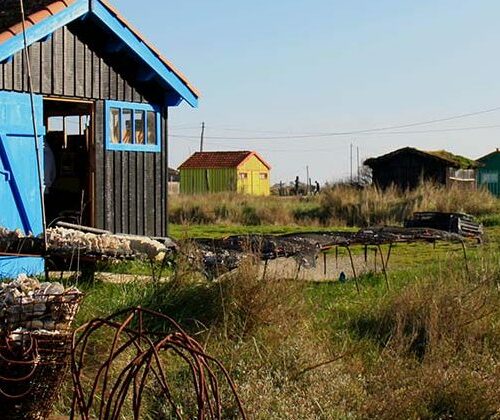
(202, 135)
(350, 162)
(357, 158)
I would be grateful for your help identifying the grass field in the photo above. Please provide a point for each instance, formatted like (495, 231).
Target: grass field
(427, 348)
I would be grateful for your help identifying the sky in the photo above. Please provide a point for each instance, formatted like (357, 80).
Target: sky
(275, 73)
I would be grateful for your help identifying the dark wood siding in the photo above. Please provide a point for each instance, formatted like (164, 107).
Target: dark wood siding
(130, 187)
(64, 66)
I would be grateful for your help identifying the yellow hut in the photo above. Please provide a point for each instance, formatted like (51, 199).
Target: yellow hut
(212, 172)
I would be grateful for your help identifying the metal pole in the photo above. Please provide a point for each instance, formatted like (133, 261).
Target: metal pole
(35, 131)
(350, 162)
(324, 264)
(202, 136)
(357, 158)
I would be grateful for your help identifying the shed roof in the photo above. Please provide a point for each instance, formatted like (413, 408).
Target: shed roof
(215, 160)
(486, 157)
(443, 156)
(45, 16)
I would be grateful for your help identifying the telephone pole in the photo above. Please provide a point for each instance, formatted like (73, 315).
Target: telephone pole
(202, 135)
(350, 163)
(357, 158)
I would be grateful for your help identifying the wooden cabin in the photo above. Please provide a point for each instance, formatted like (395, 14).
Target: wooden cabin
(408, 167)
(101, 100)
(488, 175)
(237, 171)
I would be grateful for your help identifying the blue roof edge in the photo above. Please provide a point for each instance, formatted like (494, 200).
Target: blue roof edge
(79, 9)
(144, 53)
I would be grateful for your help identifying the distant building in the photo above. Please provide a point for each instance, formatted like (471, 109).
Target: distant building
(239, 171)
(408, 167)
(488, 175)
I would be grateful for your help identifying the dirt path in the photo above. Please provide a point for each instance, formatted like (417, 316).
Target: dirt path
(289, 268)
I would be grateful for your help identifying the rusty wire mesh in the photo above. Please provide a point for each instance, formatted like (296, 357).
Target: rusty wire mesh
(35, 346)
(136, 359)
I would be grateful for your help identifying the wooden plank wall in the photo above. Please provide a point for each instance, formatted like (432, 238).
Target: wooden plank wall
(131, 187)
(64, 66)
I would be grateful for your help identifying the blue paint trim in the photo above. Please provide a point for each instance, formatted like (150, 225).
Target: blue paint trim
(143, 52)
(150, 148)
(44, 28)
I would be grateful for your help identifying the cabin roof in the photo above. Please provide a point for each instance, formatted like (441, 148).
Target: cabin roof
(442, 156)
(487, 156)
(216, 160)
(45, 16)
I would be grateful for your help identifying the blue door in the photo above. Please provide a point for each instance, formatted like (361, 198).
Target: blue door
(20, 198)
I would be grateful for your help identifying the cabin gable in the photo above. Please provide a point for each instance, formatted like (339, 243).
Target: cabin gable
(89, 65)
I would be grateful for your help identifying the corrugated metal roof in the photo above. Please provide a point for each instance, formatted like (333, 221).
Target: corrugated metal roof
(213, 160)
(38, 10)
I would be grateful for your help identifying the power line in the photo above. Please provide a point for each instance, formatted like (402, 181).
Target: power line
(346, 133)
(442, 130)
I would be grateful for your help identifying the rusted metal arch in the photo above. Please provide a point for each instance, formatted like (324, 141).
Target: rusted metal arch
(133, 378)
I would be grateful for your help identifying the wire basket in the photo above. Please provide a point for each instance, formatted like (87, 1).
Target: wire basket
(35, 348)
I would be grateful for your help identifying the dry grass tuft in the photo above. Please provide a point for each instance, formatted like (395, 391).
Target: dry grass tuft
(250, 302)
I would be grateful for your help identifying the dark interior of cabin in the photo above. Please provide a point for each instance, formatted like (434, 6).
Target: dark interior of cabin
(68, 162)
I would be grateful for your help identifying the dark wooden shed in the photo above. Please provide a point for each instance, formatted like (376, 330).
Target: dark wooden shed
(101, 98)
(406, 168)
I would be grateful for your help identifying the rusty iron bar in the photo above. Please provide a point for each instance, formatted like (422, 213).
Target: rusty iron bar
(115, 387)
(353, 268)
(388, 256)
(384, 271)
(324, 264)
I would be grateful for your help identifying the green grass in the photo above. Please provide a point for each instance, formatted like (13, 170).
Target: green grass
(220, 231)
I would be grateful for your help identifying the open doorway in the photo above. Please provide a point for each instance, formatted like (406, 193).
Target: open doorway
(69, 161)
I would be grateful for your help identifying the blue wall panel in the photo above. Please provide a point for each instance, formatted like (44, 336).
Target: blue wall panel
(20, 198)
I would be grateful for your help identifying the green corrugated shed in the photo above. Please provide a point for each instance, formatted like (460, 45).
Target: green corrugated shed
(489, 174)
(244, 172)
(201, 181)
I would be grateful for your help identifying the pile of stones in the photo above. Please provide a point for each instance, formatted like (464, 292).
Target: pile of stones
(27, 305)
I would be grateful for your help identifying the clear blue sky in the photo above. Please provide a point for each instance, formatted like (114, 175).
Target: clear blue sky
(309, 66)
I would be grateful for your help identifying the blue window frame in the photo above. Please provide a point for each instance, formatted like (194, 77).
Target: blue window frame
(132, 127)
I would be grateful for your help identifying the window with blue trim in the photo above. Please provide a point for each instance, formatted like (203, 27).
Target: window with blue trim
(132, 127)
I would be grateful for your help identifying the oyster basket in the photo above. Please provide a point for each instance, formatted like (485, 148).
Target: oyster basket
(35, 347)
